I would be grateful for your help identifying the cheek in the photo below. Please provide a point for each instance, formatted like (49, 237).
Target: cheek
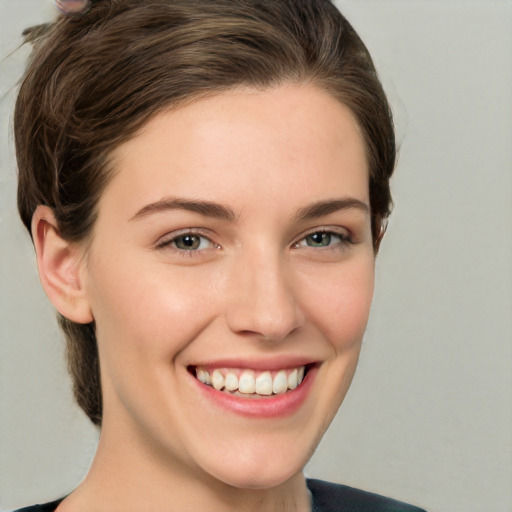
(339, 303)
(149, 310)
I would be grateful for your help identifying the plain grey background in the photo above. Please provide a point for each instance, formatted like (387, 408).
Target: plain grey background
(429, 417)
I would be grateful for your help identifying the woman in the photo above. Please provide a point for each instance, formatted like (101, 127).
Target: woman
(207, 186)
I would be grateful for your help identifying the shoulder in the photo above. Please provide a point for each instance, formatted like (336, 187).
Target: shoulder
(46, 507)
(329, 497)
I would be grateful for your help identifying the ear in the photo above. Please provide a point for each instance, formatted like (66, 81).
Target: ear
(60, 268)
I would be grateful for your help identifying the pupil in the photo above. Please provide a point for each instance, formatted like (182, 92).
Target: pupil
(320, 239)
(188, 242)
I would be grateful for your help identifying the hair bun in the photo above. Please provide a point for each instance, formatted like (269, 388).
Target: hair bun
(73, 7)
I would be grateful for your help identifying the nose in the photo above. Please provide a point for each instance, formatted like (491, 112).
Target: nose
(263, 301)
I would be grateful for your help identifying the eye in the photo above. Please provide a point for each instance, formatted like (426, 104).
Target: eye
(324, 239)
(319, 239)
(187, 242)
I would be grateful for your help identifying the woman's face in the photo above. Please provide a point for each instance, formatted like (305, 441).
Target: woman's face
(233, 244)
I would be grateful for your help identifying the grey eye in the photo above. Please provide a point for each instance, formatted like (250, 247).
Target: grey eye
(319, 239)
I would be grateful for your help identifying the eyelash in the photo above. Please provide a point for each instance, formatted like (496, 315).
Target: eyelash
(344, 240)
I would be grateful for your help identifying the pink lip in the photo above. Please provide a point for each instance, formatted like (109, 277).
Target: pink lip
(268, 407)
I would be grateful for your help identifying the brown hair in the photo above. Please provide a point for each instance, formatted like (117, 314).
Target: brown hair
(95, 79)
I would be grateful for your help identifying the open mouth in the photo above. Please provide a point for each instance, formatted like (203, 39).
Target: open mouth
(249, 383)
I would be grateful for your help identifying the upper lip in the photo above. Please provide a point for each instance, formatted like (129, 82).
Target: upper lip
(258, 364)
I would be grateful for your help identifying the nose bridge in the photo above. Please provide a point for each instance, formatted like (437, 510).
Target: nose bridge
(264, 301)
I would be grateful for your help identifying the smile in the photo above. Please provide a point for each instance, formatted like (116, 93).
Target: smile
(259, 392)
(250, 383)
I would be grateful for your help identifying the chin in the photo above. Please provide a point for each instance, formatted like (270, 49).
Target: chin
(251, 465)
(259, 477)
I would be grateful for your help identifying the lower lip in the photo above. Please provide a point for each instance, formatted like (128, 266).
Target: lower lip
(266, 407)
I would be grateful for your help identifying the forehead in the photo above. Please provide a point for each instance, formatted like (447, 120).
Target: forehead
(290, 142)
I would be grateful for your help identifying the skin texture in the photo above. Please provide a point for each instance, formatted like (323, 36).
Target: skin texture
(255, 292)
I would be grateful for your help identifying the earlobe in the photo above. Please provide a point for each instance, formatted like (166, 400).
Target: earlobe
(60, 268)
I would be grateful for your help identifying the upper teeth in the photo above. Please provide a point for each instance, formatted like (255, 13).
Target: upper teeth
(249, 382)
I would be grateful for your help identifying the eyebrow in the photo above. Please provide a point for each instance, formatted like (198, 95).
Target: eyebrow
(219, 211)
(206, 208)
(321, 208)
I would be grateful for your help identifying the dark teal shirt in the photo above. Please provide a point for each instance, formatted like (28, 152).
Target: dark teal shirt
(327, 497)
